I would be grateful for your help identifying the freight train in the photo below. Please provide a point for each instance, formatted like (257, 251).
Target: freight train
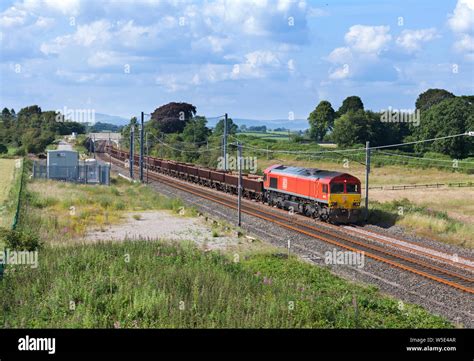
(325, 195)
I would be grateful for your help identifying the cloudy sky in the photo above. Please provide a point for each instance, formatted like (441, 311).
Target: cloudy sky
(260, 59)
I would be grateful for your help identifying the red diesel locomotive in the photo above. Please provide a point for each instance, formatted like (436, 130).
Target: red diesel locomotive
(321, 194)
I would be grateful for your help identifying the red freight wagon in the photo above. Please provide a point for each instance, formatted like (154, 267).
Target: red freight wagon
(181, 168)
(204, 173)
(252, 184)
(192, 169)
(231, 179)
(217, 175)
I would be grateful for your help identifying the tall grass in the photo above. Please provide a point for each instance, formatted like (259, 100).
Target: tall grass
(156, 284)
(426, 222)
(10, 184)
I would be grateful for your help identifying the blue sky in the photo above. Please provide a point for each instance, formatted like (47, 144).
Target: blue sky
(258, 59)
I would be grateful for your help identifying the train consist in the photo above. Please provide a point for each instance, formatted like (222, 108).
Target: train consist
(325, 195)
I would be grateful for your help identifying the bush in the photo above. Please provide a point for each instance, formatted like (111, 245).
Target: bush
(20, 152)
(3, 149)
(20, 240)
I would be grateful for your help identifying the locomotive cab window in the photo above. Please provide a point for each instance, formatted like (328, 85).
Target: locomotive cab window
(273, 182)
(337, 188)
(352, 188)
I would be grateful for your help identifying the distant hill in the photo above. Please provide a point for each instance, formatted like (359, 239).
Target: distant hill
(297, 124)
(111, 119)
(104, 127)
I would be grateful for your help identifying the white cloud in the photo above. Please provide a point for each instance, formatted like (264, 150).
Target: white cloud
(368, 39)
(461, 22)
(171, 83)
(262, 58)
(291, 65)
(462, 18)
(75, 77)
(98, 32)
(66, 7)
(55, 46)
(252, 17)
(361, 55)
(108, 58)
(341, 55)
(339, 73)
(465, 44)
(43, 22)
(257, 65)
(13, 16)
(284, 5)
(411, 40)
(212, 43)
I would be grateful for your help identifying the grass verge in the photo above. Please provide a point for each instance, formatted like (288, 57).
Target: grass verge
(10, 171)
(155, 284)
(425, 222)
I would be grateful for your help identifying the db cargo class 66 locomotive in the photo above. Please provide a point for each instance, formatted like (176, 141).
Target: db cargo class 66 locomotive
(329, 196)
(320, 194)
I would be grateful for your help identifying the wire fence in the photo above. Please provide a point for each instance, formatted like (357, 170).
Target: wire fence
(432, 185)
(81, 173)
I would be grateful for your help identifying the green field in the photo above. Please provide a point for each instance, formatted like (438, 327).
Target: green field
(276, 136)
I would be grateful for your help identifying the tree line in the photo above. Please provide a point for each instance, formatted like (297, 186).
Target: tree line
(31, 130)
(437, 113)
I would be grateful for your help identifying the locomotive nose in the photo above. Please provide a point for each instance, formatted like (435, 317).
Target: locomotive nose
(347, 201)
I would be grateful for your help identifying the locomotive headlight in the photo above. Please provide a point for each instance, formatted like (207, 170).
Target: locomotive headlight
(356, 204)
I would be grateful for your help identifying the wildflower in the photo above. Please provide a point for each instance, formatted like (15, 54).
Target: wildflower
(267, 281)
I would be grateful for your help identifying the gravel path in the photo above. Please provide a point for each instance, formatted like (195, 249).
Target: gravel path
(155, 225)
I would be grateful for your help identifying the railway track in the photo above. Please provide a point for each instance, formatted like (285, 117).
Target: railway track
(355, 244)
(421, 250)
